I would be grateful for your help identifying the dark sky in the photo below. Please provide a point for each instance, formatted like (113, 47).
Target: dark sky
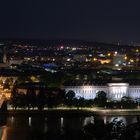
(95, 20)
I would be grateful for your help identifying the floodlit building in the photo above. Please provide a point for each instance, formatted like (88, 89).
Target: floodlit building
(114, 91)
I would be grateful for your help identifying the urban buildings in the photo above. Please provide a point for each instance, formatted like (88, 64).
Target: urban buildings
(62, 61)
(67, 54)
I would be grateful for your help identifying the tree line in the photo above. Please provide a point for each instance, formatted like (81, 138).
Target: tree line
(55, 97)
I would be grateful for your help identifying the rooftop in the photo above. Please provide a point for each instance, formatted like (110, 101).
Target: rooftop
(102, 82)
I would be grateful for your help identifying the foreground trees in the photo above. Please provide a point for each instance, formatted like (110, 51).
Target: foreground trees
(128, 102)
(101, 99)
(70, 98)
(55, 97)
(31, 99)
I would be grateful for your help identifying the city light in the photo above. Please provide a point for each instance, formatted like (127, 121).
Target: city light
(109, 54)
(94, 59)
(132, 60)
(115, 53)
(125, 58)
(137, 50)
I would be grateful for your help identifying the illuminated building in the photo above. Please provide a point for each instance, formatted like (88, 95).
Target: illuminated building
(114, 91)
(104, 61)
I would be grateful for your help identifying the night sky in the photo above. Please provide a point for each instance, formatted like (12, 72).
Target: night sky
(93, 20)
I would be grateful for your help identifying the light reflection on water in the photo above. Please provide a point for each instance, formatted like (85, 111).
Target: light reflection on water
(30, 119)
(88, 120)
(126, 119)
(4, 131)
(18, 128)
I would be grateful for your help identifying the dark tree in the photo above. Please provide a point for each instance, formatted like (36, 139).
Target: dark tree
(100, 99)
(55, 97)
(89, 103)
(79, 102)
(14, 98)
(69, 98)
(6, 84)
(127, 102)
(41, 99)
(21, 100)
(60, 97)
(31, 98)
(70, 95)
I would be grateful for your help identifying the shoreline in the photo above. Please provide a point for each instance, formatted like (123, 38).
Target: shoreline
(58, 112)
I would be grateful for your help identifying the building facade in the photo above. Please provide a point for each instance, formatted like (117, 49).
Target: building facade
(114, 91)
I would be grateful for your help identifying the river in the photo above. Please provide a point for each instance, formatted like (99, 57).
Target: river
(23, 127)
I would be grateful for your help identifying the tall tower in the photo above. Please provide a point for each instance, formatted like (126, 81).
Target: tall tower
(3, 54)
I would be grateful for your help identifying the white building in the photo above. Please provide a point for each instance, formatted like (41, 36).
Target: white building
(115, 91)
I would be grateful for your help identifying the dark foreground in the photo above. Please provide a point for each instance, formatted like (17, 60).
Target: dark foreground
(68, 125)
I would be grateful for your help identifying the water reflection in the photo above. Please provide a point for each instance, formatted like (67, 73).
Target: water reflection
(88, 120)
(4, 131)
(126, 119)
(30, 121)
(21, 127)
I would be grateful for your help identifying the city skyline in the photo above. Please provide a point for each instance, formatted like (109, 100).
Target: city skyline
(107, 21)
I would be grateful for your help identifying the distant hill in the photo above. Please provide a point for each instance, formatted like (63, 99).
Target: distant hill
(64, 42)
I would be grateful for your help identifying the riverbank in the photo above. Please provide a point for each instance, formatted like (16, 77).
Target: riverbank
(55, 112)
